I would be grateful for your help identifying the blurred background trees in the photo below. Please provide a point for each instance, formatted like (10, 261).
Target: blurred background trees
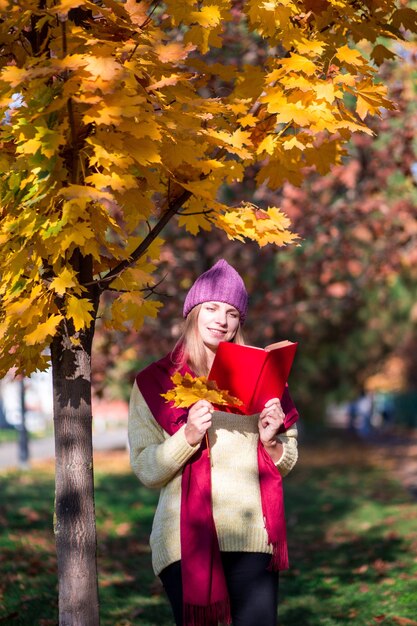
(347, 293)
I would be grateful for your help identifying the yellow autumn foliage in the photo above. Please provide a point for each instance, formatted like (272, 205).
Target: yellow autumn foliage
(115, 120)
(188, 389)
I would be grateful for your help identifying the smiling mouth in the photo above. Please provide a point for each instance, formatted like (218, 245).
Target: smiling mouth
(217, 331)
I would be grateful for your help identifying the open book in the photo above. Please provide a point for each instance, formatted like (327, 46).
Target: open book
(254, 375)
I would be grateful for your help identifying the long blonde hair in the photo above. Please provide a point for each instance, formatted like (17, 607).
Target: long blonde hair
(190, 349)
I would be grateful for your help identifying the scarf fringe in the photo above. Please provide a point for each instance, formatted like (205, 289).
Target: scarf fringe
(279, 559)
(209, 615)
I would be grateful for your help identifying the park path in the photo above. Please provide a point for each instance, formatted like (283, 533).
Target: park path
(43, 449)
(397, 451)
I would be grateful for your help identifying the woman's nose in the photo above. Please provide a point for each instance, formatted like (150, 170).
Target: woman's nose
(221, 318)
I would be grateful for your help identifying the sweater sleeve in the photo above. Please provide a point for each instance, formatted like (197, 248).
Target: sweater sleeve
(289, 450)
(155, 456)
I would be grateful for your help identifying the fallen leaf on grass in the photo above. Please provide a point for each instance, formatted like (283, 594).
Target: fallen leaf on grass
(380, 566)
(123, 529)
(405, 576)
(30, 514)
(401, 621)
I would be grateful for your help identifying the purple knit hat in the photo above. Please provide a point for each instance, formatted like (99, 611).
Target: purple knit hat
(221, 283)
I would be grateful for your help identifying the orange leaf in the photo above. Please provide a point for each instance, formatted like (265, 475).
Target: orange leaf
(188, 390)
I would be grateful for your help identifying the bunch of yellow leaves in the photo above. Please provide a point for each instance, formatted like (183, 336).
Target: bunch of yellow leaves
(188, 389)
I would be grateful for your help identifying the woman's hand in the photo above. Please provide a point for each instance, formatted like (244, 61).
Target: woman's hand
(198, 421)
(270, 421)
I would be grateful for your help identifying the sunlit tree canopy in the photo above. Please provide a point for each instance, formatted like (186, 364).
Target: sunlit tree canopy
(115, 119)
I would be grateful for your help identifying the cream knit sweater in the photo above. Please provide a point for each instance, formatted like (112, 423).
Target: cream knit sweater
(157, 459)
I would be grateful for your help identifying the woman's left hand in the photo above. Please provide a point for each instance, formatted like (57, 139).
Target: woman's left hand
(270, 420)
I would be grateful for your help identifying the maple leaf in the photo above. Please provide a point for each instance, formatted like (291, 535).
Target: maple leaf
(350, 56)
(144, 151)
(262, 226)
(131, 309)
(380, 54)
(326, 91)
(279, 170)
(293, 142)
(267, 145)
(13, 75)
(76, 236)
(249, 82)
(104, 67)
(172, 52)
(29, 146)
(407, 17)
(208, 16)
(299, 63)
(113, 180)
(135, 278)
(79, 310)
(43, 331)
(189, 389)
(64, 281)
(288, 111)
(324, 155)
(370, 99)
(194, 222)
(235, 142)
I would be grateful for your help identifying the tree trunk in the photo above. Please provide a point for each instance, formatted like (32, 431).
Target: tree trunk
(75, 530)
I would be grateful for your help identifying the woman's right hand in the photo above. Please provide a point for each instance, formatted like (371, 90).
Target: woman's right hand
(198, 421)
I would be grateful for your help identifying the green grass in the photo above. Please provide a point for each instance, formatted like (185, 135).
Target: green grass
(353, 543)
(8, 434)
(351, 526)
(12, 435)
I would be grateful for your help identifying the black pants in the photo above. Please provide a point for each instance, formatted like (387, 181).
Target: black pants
(253, 589)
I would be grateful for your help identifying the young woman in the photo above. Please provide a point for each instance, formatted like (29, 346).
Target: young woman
(218, 538)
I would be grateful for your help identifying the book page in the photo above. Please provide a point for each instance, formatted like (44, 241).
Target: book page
(279, 344)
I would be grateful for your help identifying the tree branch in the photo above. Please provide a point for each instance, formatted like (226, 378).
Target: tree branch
(173, 207)
(205, 212)
(171, 210)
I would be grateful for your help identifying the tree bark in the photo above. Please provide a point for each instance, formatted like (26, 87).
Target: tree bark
(74, 524)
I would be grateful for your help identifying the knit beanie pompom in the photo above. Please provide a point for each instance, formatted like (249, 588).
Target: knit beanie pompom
(221, 283)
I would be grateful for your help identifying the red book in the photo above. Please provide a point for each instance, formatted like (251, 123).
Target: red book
(254, 375)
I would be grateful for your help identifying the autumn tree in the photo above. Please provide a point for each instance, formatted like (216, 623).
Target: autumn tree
(111, 126)
(348, 292)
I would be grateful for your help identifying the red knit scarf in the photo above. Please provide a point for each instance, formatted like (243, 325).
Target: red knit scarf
(206, 600)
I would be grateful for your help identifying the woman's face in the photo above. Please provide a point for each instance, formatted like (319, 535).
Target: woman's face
(217, 321)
